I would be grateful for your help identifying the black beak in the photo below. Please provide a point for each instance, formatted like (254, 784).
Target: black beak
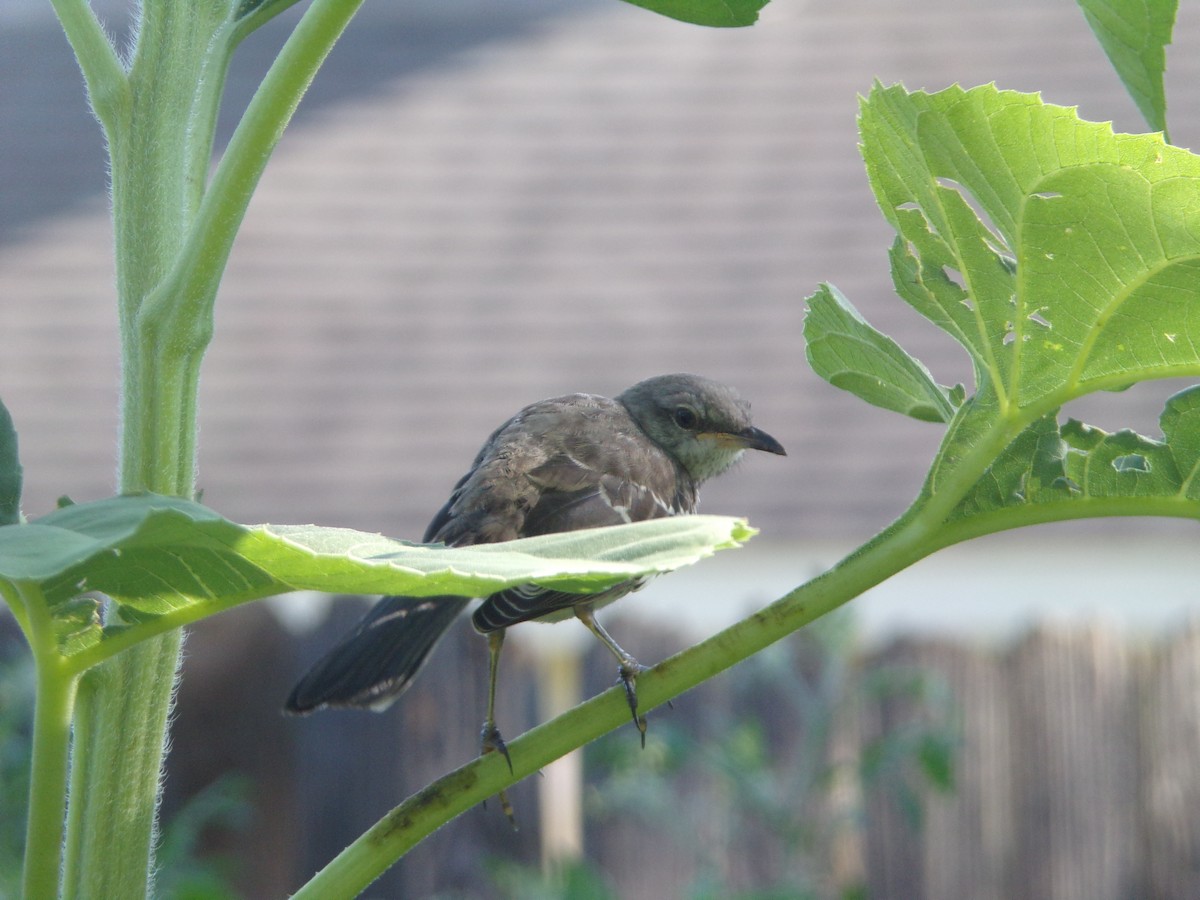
(757, 439)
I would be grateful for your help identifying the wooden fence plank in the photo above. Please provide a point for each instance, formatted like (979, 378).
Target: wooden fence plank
(1170, 786)
(1077, 769)
(1074, 728)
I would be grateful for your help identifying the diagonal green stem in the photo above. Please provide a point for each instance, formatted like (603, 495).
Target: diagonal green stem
(102, 70)
(353, 870)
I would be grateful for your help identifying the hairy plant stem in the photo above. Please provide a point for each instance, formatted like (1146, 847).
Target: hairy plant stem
(160, 141)
(173, 233)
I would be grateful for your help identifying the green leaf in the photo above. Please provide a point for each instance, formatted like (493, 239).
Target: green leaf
(848, 353)
(156, 555)
(1086, 273)
(1065, 259)
(10, 471)
(1076, 470)
(1134, 35)
(714, 13)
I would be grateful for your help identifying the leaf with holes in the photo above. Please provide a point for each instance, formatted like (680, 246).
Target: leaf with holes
(1051, 472)
(1065, 258)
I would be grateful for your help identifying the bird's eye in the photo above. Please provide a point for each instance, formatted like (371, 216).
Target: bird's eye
(686, 418)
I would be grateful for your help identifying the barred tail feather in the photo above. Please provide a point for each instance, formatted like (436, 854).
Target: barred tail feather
(373, 665)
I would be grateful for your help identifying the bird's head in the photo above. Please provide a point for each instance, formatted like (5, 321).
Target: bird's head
(702, 424)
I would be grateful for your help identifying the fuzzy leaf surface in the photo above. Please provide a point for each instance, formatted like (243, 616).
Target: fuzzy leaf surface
(154, 555)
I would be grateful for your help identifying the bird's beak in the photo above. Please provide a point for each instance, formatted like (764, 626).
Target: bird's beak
(751, 439)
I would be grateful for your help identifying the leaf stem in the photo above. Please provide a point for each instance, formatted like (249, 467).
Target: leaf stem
(129, 636)
(102, 70)
(189, 289)
(50, 755)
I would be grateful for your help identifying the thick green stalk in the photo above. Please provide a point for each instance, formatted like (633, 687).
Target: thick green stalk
(173, 235)
(161, 149)
(160, 142)
(120, 737)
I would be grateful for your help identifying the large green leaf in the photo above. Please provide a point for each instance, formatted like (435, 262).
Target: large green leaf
(1085, 275)
(1065, 259)
(1135, 34)
(155, 555)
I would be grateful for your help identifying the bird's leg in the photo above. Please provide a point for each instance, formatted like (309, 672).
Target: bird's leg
(490, 740)
(629, 667)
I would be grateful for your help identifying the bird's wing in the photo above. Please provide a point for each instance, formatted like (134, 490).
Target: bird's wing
(573, 496)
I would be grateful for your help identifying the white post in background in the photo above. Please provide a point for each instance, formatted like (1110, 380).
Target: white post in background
(560, 794)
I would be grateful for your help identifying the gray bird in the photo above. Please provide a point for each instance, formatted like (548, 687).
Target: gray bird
(572, 462)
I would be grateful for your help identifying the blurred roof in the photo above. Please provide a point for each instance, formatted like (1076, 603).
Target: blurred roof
(484, 204)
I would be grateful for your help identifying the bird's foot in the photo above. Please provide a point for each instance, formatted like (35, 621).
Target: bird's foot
(490, 741)
(628, 674)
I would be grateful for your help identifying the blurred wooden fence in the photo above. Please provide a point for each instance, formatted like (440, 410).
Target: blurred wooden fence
(1075, 751)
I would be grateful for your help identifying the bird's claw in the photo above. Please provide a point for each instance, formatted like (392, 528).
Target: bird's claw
(490, 741)
(628, 677)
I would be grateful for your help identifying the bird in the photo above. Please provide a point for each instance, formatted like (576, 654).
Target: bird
(567, 463)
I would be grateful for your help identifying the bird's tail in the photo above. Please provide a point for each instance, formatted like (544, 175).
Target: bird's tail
(372, 665)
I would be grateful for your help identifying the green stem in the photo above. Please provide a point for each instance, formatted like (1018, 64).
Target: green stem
(160, 156)
(124, 722)
(51, 754)
(189, 290)
(173, 234)
(80, 772)
(102, 70)
(160, 144)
